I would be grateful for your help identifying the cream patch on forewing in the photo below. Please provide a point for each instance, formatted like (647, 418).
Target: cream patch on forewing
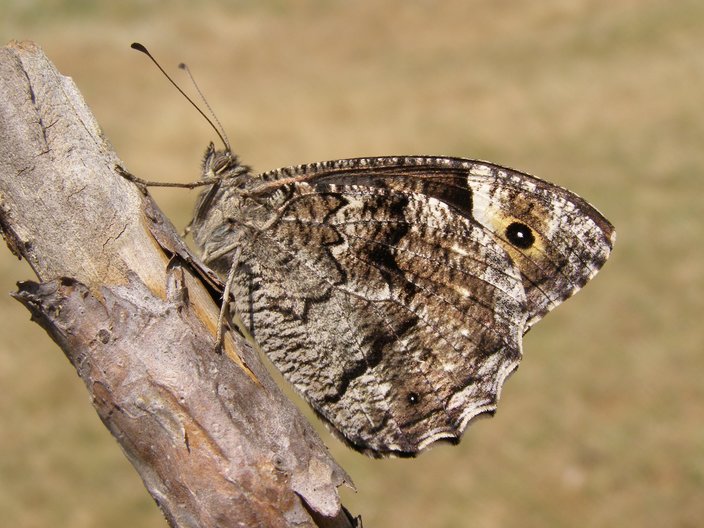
(489, 209)
(484, 208)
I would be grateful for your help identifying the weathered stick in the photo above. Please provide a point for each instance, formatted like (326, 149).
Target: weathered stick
(212, 437)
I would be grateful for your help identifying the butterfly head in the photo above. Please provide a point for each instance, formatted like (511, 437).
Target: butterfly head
(223, 165)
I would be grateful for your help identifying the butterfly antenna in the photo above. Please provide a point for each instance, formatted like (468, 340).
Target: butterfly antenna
(139, 47)
(223, 135)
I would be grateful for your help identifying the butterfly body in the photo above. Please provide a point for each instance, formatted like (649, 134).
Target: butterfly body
(394, 292)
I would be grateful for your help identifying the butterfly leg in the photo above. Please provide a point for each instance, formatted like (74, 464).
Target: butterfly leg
(224, 307)
(143, 184)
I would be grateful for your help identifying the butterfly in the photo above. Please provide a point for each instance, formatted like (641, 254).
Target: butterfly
(393, 292)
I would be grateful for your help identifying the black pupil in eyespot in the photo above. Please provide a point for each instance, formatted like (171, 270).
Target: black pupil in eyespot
(520, 235)
(413, 398)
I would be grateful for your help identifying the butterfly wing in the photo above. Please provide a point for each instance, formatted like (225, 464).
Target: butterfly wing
(571, 240)
(378, 290)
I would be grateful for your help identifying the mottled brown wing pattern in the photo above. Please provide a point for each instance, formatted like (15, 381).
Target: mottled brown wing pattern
(382, 292)
(572, 240)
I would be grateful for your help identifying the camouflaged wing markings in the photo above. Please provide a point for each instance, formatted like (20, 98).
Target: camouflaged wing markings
(385, 290)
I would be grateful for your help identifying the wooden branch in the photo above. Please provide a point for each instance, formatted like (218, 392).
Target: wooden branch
(213, 438)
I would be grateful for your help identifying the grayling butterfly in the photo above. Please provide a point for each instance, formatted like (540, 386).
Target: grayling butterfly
(393, 292)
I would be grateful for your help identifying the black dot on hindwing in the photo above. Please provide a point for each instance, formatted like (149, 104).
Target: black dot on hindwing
(520, 235)
(413, 398)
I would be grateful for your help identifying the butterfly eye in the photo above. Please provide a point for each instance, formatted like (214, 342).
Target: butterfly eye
(520, 235)
(413, 398)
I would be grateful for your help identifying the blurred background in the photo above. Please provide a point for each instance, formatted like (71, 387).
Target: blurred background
(603, 425)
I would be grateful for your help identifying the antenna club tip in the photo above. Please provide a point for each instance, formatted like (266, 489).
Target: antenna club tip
(182, 66)
(139, 47)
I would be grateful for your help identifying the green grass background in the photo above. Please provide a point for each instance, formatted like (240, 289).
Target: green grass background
(603, 425)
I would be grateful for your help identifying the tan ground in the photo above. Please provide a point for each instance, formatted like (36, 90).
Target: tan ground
(603, 424)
